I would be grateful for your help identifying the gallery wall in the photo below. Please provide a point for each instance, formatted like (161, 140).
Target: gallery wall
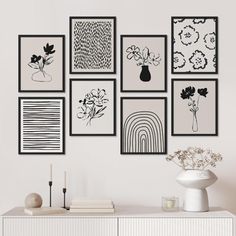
(94, 165)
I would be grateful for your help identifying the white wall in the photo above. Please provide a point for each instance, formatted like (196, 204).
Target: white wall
(95, 167)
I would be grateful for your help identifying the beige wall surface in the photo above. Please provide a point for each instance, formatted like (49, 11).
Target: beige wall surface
(94, 164)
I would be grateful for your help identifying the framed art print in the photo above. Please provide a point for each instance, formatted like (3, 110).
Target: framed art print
(143, 125)
(92, 107)
(143, 63)
(41, 63)
(195, 107)
(92, 45)
(41, 125)
(194, 45)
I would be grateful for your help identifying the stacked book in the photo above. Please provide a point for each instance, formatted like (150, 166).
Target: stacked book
(92, 206)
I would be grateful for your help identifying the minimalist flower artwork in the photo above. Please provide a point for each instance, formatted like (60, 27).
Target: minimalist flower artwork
(92, 45)
(194, 107)
(92, 107)
(193, 103)
(143, 125)
(143, 59)
(143, 63)
(41, 63)
(194, 45)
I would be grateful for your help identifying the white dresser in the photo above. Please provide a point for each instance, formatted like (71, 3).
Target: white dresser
(127, 221)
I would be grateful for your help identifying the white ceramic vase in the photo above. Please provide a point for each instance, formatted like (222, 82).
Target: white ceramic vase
(196, 181)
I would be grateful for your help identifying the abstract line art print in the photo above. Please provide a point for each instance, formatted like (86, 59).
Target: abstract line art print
(143, 125)
(194, 107)
(143, 63)
(92, 45)
(41, 125)
(41, 63)
(194, 45)
(92, 107)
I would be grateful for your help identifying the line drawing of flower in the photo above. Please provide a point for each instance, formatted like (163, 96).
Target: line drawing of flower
(39, 62)
(133, 52)
(143, 59)
(189, 93)
(93, 105)
(179, 60)
(188, 35)
(178, 20)
(198, 59)
(210, 40)
(199, 20)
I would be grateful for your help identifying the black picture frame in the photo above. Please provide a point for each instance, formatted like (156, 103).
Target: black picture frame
(164, 126)
(112, 18)
(215, 18)
(122, 89)
(37, 129)
(20, 37)
(173, 81)
(93, 81)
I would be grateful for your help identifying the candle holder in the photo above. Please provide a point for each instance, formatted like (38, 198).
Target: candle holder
(64, 196)
(50, 193)
(170, 203)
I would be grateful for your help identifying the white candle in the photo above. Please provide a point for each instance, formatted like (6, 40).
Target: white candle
(170, 204)
(64, 179)
(50, 172)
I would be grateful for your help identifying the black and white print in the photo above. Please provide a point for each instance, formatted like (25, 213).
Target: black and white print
(143, 63)
(194, 45)
(93, 44)
(194, 107)
(41, 125)
(92, 107)
(41, 63)
(143, 125)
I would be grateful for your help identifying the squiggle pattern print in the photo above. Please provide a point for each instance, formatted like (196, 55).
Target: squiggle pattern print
(92, 45)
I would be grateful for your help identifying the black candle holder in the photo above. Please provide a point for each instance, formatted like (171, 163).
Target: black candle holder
(50, 193)
(64, 193)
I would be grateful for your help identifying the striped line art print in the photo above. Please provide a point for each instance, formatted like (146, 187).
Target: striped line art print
(41, 125)
(143, 132)
(143, 125)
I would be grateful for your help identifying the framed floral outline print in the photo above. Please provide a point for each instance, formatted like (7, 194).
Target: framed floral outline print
(92, 107)
(194, 44)
(194, 107)
(93, 45)
(143, 63)
(143, 125)
(41, 65)
(41, 125)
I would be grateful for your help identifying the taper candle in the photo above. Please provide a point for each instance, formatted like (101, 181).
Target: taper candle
(50, 172)
(64, 179)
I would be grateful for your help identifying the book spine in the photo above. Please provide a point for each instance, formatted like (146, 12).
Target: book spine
(92, 206)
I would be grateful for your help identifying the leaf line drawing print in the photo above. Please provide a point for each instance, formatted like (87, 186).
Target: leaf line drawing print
(39, 62)
(188, 93)
(143, 59)
(93, 105)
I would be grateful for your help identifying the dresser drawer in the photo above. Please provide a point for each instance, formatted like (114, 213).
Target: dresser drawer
(176, 226)
(59, 226)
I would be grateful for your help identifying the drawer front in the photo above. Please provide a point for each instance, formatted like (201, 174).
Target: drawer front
(55, 226)
(176, 227)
